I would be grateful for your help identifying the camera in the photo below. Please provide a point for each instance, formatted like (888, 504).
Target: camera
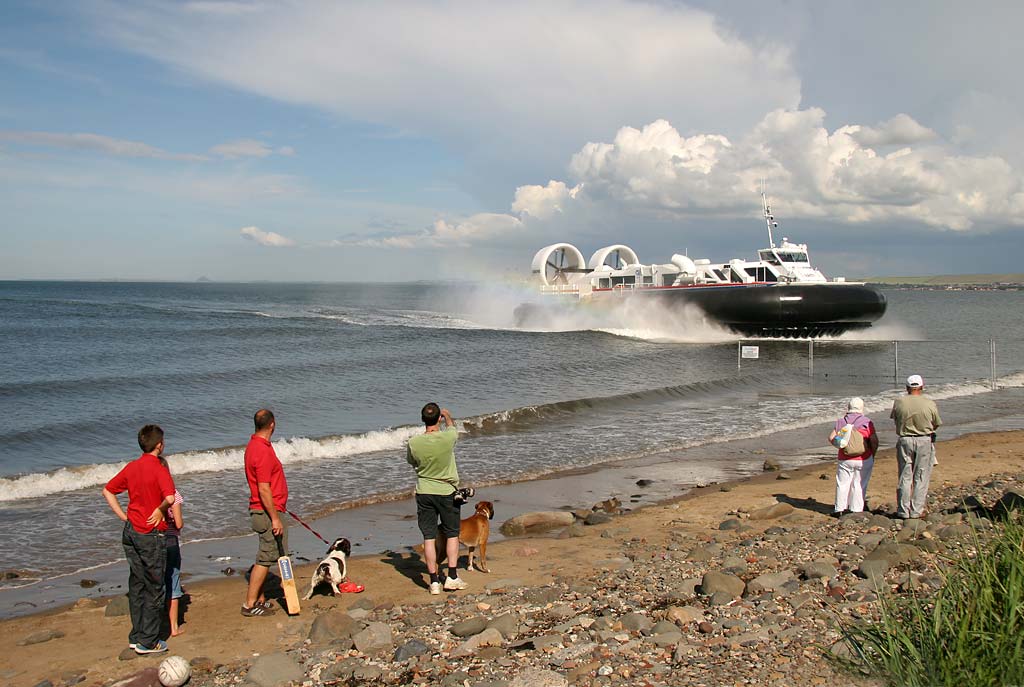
(463, 495)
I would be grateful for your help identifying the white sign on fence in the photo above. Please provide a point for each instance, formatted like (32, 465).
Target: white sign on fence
(749, 352)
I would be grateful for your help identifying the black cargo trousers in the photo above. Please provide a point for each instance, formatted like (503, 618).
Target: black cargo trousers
(147, 592)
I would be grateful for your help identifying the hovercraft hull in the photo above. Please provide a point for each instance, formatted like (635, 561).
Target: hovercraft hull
(769, 310)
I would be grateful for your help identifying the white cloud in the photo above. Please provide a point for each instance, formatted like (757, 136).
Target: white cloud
(483, 226)
(900, 130)
(95, 142)
(546, 75)
(244, 147)
(266, 238)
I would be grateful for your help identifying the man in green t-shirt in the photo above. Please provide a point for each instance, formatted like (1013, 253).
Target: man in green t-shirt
(433, 455)
(916, 417)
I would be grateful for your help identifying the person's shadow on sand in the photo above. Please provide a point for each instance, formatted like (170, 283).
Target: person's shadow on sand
(411, 566)
(811, 504)
(271, 588)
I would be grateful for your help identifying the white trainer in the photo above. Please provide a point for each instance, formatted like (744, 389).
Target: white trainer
(453, 584)
(435, 588)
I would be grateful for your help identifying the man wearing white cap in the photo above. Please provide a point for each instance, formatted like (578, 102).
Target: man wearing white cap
(917, 418)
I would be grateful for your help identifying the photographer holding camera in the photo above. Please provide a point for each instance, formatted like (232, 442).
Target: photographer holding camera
(437, 484)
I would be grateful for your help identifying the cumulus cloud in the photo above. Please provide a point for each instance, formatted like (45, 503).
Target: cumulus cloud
(266, 238)
(811, 172)
(95, 143)
(244, 147)
(900, 130)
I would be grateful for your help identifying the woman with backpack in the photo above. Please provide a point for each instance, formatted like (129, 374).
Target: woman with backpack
(854, 435)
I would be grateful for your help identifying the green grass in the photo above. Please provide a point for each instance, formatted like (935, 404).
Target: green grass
(969, 633)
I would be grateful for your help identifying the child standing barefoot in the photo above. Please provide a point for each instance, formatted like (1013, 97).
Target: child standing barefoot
(173, 577)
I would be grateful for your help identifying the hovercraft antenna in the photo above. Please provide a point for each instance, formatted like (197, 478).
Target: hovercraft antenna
(768, 217)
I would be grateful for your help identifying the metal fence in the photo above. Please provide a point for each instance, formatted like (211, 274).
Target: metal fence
(939, 360)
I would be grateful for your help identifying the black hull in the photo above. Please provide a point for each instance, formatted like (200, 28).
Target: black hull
(773, 310)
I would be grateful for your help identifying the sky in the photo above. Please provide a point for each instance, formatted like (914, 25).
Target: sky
(356, 141)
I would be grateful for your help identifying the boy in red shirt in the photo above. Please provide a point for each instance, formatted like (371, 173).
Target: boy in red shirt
(150, 493)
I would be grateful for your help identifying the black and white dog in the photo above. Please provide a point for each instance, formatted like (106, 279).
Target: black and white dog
(332, 569)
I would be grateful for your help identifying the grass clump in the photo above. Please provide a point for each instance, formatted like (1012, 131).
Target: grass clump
(968, 633)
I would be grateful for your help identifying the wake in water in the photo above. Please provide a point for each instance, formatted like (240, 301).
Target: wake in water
(633, 318)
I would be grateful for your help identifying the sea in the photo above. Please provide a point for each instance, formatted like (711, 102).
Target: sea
(346, 368)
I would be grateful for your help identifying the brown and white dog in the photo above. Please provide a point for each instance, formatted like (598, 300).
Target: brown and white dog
(473, 534)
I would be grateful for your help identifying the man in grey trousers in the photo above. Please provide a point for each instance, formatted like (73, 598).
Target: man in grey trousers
(917, 418)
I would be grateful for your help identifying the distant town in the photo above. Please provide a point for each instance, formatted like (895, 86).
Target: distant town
(954, 282)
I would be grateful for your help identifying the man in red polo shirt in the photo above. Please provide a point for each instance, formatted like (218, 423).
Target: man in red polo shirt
(268, 498)
(150, 493)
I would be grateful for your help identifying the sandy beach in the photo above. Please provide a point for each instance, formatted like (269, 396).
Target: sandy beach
(588, 563)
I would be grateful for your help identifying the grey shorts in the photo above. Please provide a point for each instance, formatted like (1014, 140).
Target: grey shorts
(430, 508)
(269, 551)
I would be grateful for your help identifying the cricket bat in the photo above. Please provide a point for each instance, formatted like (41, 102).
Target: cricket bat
(291, 594)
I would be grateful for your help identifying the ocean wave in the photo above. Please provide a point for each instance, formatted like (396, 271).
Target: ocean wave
(303, 449)
(293, 450)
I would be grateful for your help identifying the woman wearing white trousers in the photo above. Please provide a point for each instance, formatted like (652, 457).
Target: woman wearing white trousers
(854, 472)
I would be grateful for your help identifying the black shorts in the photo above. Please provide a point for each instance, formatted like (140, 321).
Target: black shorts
(430, 508)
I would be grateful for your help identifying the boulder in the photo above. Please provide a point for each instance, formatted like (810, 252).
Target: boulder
(597, 518)
(721, 582)
(818, 570)
(375, 638)
(40, 637)
(333, 625)
(685, 615)
(1009, 502)
(507, 625)
(873, 569)
(118, 606)
(636, 622)
(772, 512)
(730, 524)
(468, 628)
(413, 647)
(272, 670)
(769, 582)
(771, 465)
(539, 521)
(489, 637)
(663, 626)
(538, 677)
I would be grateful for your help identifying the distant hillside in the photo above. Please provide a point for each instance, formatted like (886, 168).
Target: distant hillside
(951, 280)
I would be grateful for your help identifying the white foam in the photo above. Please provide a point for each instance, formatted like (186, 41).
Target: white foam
(294, 450)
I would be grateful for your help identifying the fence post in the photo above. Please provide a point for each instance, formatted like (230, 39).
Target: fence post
(739, 350)
(896, 363)
(810, 357)
(992, 359)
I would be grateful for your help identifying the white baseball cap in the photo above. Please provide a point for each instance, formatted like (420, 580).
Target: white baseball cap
(915, 382)
(856, 405)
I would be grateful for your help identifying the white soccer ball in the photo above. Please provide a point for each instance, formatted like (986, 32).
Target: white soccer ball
(174, 671)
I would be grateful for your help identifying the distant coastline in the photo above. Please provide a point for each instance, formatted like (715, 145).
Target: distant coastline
(954, 282)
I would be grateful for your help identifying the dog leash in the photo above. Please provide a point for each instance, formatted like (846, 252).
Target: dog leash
(315, 533)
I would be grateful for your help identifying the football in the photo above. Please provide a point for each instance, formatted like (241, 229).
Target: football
(174, 671)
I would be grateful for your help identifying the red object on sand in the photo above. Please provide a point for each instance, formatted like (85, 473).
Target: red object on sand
(351, 587)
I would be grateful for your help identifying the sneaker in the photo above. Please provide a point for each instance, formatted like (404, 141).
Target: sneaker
(453, 583)
(256, 610)
(157, 648)
(265, 604)
(435, 588)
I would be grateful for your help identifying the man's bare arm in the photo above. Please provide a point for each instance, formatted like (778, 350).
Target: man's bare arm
(114, 505)
(267, 499)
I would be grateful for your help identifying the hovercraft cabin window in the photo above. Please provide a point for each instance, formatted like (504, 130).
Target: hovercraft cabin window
(624, 281)
(761, 274)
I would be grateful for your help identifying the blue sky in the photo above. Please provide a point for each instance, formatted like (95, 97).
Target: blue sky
(338, 141)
